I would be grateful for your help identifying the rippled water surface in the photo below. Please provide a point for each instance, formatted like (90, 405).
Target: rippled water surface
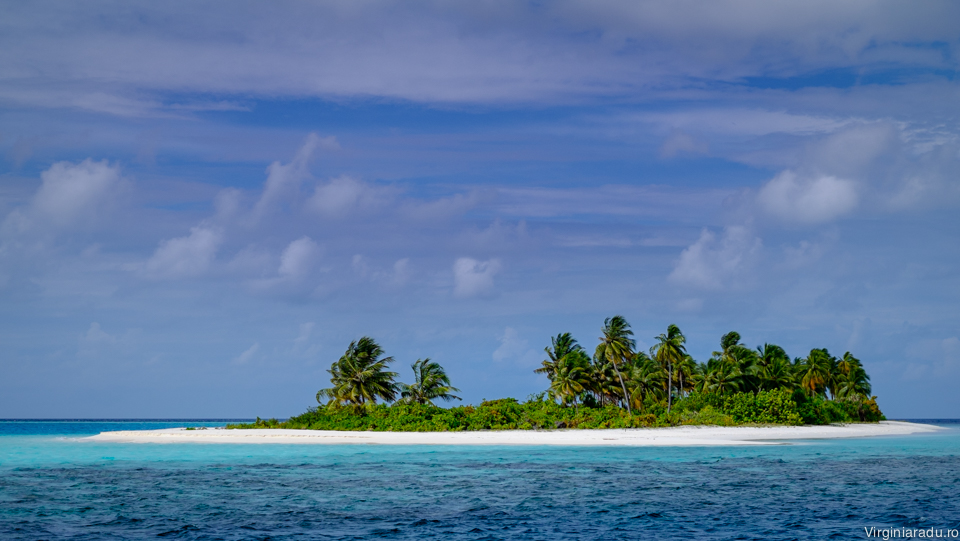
(56, 485)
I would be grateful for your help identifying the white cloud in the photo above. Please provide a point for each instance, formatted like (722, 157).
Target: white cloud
(731, 122)
(96, 335)
(69, 194)
(247, 355)
(679, 142)
(687, 305)
(422, 51)
(283, 181)
(69, 190)
(253, 261)
(302, 346)
(304, 336)
(594, 241)
(297, 258)
(401, 270)
(445, 207)
(712, 263)
(514, 349)
(344, 195)
(297, 261)
(97, 343)
(191, 255)
(805, 253)
(649, 201)
(812, 200)
(398, 273)
(474, 278)
(337, 197)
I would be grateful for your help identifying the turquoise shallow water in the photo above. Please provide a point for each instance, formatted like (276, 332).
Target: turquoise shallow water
(55, 485)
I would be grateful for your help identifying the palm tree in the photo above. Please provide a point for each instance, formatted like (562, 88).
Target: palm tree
(668, 351)
(686, 367)
(847, 363)
(600, 378)
(728, 342)
(721, 377)
(571, 377)
(851, 379)
(560, 346)
(743, 359)
(616, 348)
(815, 371)
(645, 379)
(430, 382)
(774, 370)
(360, 375)
(854, 385)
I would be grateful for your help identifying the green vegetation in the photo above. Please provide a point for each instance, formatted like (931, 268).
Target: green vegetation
(617, 388)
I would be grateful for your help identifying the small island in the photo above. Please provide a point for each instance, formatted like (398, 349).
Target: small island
(616, 387)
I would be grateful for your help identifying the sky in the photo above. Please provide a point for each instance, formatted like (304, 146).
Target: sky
(202, 204)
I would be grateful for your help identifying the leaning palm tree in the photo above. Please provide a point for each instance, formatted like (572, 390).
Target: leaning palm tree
(616, 348)
(847, 363)
(854, 386)
(728, 344)
(360, 376)
(851, 380)
(430, 382)
(560, 346)
(668, 351)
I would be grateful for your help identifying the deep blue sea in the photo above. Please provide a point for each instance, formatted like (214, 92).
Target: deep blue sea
(56, 485)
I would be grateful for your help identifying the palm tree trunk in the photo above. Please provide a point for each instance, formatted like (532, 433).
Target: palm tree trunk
(624, 387)
(669, 386)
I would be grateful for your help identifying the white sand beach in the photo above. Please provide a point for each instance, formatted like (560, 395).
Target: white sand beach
(675, 436)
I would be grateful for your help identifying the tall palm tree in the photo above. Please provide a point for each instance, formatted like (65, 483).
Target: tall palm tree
(600, 381)
(743, 359)
(560, 346)
(430, 382)
(360, 376)
(685, 368)
(728, 343)
(616, 348)
(669, 350)
(847, 363)
(815, 371)
(644, 379)
(571, 377)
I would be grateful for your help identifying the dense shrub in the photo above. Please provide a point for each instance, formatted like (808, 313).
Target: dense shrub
(766, 407)
(503, 414)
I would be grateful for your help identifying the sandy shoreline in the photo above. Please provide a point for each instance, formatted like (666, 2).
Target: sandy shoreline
(676, 436)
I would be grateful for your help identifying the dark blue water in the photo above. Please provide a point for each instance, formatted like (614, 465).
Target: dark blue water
(55, 485)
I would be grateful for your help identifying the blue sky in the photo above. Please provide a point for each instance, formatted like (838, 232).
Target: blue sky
(201, 205)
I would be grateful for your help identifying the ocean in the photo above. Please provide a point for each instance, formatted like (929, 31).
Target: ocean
(56, 485)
